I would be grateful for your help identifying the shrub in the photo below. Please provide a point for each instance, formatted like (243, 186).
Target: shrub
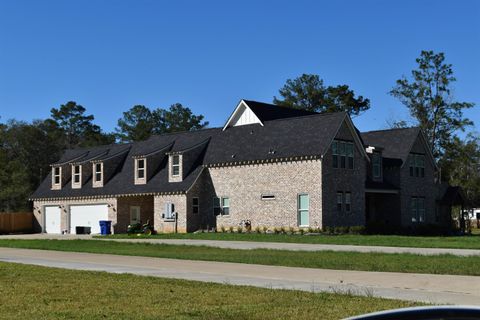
(301, 231)
(257, 229)
(230, 229)
(283, 230)
(291, 230)
(357, 230)
(223, 229)
(264, 229)
(240, 230)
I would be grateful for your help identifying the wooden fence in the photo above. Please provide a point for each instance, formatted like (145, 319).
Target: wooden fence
(16, 222)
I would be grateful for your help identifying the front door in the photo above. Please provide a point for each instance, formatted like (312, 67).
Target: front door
(134, 215)
(52, 220)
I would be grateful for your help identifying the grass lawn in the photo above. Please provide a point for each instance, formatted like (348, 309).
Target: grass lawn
(33, 292)
(459, 242)
(410, 263)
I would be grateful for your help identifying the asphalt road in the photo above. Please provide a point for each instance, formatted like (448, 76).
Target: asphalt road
(437, 289)
(248, 245)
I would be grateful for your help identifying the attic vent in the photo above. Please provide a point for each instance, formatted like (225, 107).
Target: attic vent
(271, 151)
(233, 155)
(268, 197)
(251, 131)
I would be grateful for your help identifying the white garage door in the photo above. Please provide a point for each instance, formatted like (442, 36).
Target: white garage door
(52, 220)
(88, 216)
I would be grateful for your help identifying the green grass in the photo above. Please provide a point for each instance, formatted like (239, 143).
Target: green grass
(410, 263)
(32, 292)
(458, 242)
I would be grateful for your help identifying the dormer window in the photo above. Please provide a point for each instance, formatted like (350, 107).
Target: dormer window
(140, 168)
(140, 171)
(56, 175)
(98, 174)
(76, 176)
(175, 166)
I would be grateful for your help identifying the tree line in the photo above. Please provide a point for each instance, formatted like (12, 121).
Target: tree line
(28, 148)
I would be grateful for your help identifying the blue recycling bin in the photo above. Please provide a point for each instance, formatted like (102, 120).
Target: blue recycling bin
(105, 227)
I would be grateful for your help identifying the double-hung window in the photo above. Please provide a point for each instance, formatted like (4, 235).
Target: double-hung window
(416, 163)
(195, 206)
(76, 174)
(56, 175)
(175, 165)
(348, 202)
(221, 206)
(377, 165)
(140, 168)
(303, 210)
(98, 172)
(418, 209)
(339, 201)
(343, 154)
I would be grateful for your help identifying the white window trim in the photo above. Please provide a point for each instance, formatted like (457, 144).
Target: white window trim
(138, 169)
(59, 175)
(175, 165)
(74, 175)
(95, 172)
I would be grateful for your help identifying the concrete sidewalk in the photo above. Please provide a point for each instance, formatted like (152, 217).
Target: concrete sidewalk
(439, 289)
(249, 245)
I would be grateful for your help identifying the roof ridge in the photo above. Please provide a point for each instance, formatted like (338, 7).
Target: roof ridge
(309, 115)
(391, 129)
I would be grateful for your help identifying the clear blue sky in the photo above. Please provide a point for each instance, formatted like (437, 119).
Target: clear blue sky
(111, 55)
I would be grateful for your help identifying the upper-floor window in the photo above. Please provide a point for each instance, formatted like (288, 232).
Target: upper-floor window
(342, 152)
(418, 209)
(339, 201)
(140, 168)
(76, 174)
(56, 175)
(175, 166)
(98, 174)
(416, 163)
(377, 165)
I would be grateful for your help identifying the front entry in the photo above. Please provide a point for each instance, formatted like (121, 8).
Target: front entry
(52, 220)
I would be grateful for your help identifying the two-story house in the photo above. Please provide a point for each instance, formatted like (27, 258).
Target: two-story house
(271, 165)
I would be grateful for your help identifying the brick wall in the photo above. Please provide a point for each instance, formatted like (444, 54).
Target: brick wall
(180, 203)
(244, 185)
(344, 180)
(123, 207)
(39, 211)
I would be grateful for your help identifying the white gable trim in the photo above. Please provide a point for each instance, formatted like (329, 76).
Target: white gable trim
(237, 114)
(356, 138)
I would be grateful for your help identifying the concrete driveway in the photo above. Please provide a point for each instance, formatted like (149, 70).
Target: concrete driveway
(438, 289)
(248, 245)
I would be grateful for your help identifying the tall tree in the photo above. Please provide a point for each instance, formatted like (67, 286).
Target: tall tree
(78, 127)
(428, 96)
(461, 166)
(139, 123)
(178, 118)
(308, 92)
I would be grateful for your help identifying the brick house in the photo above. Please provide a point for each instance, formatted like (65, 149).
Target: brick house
(271, 165)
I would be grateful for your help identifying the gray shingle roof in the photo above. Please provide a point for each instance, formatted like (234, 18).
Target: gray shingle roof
(279, 138)
(396, 143)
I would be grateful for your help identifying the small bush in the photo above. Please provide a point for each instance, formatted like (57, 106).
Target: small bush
(257, 229)
(265, 229)
(240, 230)
(283, 230)
(301, 231)
(230, 229)
(291, 230)
(357, 230)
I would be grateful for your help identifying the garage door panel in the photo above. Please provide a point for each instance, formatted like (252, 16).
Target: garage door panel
(87, 216)
(52, 220)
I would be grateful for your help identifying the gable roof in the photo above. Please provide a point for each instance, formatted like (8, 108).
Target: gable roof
(396, 143)
(264, 112)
